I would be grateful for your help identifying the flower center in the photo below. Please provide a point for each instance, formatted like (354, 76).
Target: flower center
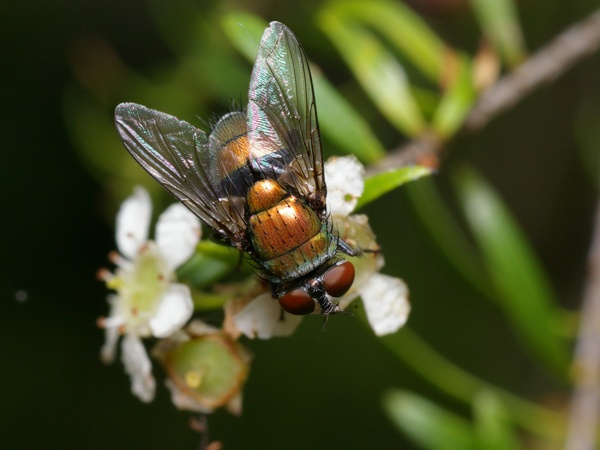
(142, 288)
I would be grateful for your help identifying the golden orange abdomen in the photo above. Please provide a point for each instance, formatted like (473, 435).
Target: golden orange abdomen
(263, 195)
(287, 235)
(283, 227)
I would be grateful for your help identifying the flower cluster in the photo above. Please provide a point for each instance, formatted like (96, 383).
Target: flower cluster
(207, 366)
(148, 302)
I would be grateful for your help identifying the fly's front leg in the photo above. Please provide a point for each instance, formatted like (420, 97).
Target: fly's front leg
(346, 248)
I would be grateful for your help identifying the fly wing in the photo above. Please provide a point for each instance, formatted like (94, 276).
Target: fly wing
(175, 154)
(282, 116)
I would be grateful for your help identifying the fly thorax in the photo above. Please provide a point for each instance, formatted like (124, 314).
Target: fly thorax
(228, 153)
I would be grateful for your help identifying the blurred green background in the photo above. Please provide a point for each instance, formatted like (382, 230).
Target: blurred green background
(307, 391)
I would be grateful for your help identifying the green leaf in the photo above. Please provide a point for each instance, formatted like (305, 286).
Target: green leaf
(447, 234)
(401, 27)
(522, 287)
(104, 156)
(429, 425)
(492, 426)
(209, 264)
(340, 122)
(456, 101)
(377, 185)
(378, 71)
(204, 301)
(457, 383)
(500, 23)
(244, 30)
(337, 119)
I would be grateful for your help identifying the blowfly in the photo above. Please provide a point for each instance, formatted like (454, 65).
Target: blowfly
(257, 178)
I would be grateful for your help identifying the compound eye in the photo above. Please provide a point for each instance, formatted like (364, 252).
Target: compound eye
(339, 279)
(297, 302)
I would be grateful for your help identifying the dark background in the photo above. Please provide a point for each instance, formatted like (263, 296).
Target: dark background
(306, 391)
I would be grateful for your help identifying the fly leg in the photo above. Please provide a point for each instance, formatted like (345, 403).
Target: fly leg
(346, 248)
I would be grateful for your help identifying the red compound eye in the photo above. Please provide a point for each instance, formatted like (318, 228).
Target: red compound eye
(297, 302)
(339, 279)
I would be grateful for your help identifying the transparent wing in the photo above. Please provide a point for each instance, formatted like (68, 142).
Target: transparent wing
(282, 115)
(175, 154)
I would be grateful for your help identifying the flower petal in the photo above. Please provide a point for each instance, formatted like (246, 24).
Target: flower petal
(175, 309)
(111, 326)
(345, 184)
(133, 222)
(177, 233)
(138, 366)
(262, 318)
(386, 303)
(108, 350)
(234, 406)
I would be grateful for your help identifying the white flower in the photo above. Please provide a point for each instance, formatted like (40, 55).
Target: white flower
(345, 178)
(263, 318)
(148, 302)
(138, 367)
(386, 302)
(385, 298)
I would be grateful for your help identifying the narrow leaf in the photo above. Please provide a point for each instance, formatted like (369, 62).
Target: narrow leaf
(342, 124)
(244, 30)
(209, 264)
(500, 23)
(429, 425)
(521, 285)
(447, 234)
(457, 383)
(384, 182)
(403, 28)
(378, 71)
(457, 100)
(493, 430)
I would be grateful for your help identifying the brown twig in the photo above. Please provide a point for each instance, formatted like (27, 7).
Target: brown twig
(546, 65)
(569, 47)
(585, 401)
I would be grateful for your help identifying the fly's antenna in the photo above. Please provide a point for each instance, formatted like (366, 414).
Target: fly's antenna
(337, 310)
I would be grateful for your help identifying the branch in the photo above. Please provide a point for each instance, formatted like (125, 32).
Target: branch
(585, 401)
(569, 47)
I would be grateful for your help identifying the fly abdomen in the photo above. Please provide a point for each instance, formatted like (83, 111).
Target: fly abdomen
(288, 238)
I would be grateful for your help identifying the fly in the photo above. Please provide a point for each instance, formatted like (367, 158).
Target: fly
(257, 179)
